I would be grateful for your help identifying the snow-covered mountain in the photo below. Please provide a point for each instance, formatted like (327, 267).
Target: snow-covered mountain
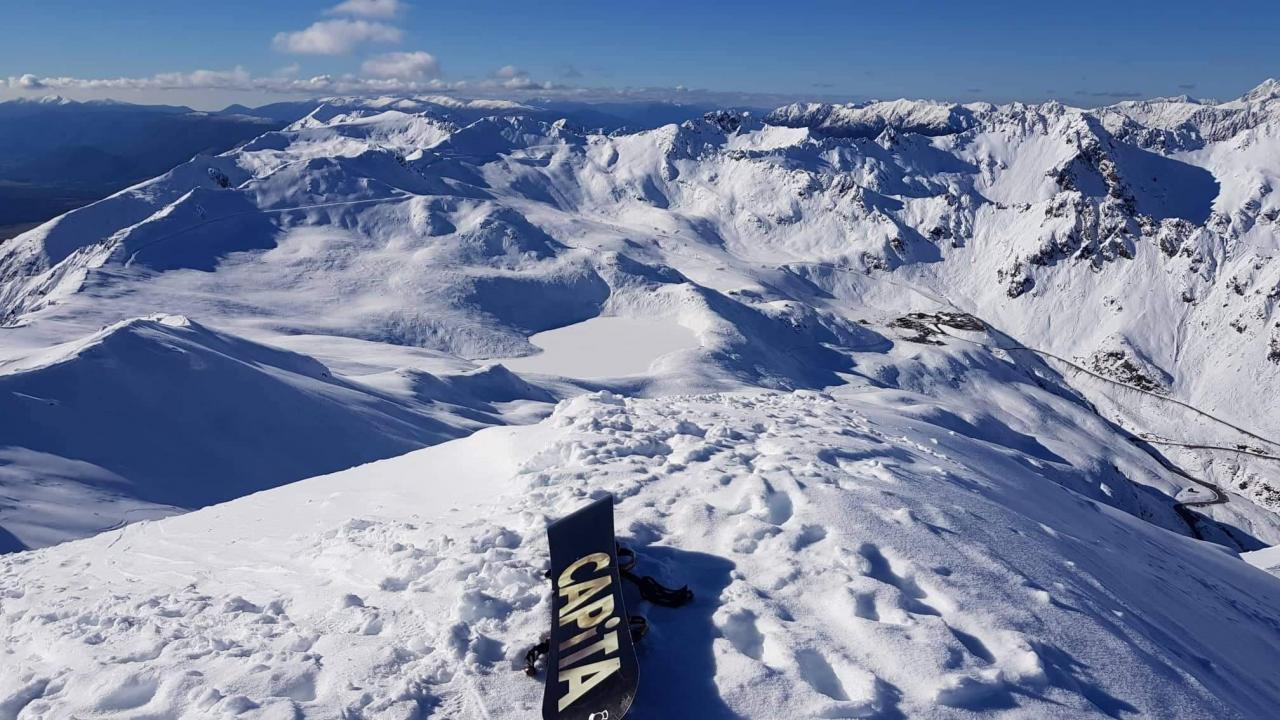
(1136, 240)
(57, 154)
(598, 113)
(152, 415)
(900, 356)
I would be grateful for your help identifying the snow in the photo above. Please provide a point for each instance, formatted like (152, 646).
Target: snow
(603, 347)
(1268, 559)
(869, 120)
(942, 411)
(847, 562)
(155, 415)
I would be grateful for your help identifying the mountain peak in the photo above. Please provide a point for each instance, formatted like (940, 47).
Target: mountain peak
(1268, 89)
(43, 100)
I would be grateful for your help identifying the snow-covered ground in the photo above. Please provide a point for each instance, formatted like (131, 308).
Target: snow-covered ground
(848, 562)
(603, 347)
(1268, 559)
(158, 415)
(941, 410)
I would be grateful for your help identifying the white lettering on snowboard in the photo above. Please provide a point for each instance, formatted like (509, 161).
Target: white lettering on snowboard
(588, 615)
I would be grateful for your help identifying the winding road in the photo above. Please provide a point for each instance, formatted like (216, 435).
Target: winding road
(1184, 508)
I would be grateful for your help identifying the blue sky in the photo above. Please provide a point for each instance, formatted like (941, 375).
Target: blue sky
(1084, 52)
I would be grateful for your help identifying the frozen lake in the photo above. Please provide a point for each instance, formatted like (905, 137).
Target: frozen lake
(603, 347)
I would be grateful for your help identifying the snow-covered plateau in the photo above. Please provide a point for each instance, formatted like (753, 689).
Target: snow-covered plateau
(941, 411)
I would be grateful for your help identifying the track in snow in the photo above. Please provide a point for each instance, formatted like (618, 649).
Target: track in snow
(847, 562)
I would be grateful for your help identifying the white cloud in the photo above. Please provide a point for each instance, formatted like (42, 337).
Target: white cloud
(335, 37)
(240, 79)
(511, 77)
(200, 79)
(522, 82)
(514, 78)
(26, 82)
(403, 65)
(377, 9)
(509, 72)
(388, 74)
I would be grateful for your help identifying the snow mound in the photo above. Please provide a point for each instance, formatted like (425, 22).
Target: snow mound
(848, 561)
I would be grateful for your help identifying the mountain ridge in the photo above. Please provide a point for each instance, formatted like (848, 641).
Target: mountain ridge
(413, 222)
(941, 411)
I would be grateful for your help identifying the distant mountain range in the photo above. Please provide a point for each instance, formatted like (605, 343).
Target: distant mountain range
(961, 391)
(57, 154)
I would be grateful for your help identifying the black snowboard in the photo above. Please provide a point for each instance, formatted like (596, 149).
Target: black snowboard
(591, 668)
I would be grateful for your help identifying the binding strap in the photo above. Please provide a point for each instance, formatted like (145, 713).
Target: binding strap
(637, 624)
(639, 627)
(656, 593)
(650, 589)
(626, 557)
(531, 657)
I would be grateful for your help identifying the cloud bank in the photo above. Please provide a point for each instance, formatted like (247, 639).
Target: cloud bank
(238, 82)
(241, 80)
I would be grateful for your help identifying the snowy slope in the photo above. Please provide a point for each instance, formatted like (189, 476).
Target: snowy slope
(848, 562)
(156, 415)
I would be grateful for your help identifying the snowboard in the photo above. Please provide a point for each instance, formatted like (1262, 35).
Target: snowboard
(592, 672)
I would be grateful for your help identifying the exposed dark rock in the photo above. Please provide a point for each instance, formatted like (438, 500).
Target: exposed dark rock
(727, 121)
(929, 325)
(1117, 364)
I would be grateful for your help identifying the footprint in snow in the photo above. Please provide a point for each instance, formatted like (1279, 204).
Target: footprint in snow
(881, 569)
(740, 630)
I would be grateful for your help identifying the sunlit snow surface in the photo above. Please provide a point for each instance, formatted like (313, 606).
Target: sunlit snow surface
(847, 561)
(1267, 559)
(603, 347)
